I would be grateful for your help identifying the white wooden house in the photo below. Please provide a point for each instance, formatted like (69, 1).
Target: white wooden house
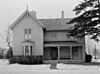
(46, 38)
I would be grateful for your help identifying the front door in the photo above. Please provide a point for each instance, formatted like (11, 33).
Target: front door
(54, 53)
(77, 52)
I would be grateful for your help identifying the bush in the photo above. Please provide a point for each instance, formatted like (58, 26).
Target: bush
(88, 58)
(1, 56)
(9, 54)
(26, 59)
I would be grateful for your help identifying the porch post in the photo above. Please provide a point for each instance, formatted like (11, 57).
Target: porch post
(71, 52)
(83, 52)
(24, 50)
(58, 53)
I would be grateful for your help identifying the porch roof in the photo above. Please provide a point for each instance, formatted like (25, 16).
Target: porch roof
(62, 43)
(28, 41)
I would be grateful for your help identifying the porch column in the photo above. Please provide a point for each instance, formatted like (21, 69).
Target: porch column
(24, 50)
(83, 52)
(58, 53)
(71, 52)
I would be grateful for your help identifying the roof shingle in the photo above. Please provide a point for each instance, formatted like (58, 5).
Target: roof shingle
(56, 24)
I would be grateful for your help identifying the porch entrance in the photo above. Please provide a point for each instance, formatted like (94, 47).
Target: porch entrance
(50, 53)
(64, 53)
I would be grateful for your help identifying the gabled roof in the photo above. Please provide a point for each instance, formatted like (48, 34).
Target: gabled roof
(27, 12)
(49, 24)
(57, 24)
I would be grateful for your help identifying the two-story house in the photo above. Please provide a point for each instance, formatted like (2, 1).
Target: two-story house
(46, 39)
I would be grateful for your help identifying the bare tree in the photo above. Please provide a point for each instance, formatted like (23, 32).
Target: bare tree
(7, 38)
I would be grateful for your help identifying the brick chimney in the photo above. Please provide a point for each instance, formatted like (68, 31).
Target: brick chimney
(33, 13)
(62, 16)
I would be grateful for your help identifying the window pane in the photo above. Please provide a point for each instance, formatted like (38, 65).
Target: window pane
(29, 31)
(29, 36)
(25, 31)
(26, 50)
(26, 36)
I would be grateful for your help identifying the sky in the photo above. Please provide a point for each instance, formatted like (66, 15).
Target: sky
(10, 10)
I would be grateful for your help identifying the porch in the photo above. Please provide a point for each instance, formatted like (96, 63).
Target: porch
(64, 53)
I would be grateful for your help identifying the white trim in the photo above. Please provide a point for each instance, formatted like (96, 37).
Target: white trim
(27, 44)
(46, 45)
(70, 52)
(24, 50)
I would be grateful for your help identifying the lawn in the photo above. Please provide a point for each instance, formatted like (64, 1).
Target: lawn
(90, 68)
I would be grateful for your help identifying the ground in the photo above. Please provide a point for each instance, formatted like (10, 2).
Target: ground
(6, 68)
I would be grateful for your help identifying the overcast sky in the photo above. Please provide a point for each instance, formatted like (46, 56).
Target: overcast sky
(11, 9)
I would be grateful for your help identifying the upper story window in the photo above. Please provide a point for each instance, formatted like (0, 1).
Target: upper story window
(27, 33)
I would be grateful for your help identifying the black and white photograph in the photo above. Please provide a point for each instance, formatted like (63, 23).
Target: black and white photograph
(49, 36)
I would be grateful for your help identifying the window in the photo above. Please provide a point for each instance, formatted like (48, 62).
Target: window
(27, 34)
(75, 50)
(28, 50)
(77, 53)
(29, 31)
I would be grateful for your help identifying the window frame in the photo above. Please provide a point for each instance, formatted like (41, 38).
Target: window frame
(27, 33)
(30, 51)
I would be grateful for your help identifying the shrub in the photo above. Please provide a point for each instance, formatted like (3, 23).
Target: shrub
(9, 54)
(1, 56)
(26, 59)
(88, 58)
